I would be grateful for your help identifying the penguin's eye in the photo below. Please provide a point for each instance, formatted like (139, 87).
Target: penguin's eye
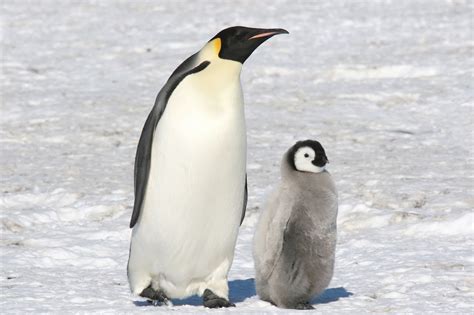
(306, 155)
(239, 36)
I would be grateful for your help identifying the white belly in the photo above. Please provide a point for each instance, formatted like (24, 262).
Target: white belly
(193, 205)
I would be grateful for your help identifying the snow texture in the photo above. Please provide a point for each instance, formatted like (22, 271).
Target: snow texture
(386, 87)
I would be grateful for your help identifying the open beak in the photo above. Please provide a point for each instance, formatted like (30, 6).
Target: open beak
(267, 33)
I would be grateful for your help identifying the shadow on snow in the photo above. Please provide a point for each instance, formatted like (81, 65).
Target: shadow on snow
(331, 295)
(239, 290)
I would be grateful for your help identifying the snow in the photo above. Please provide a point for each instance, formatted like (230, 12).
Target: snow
(386, 87)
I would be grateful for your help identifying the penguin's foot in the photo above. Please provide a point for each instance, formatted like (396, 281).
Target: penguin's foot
(210, 300)
(304, 306)
(156, 297)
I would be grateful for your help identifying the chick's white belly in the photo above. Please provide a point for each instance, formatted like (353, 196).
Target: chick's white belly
(189, 223)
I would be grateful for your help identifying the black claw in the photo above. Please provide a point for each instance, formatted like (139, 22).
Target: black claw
(211, 300)
(156, 297)
(304, 306)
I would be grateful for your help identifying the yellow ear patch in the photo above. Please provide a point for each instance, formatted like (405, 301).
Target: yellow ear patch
(217, 45)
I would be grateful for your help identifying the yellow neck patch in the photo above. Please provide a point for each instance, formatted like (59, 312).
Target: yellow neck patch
(217, 45)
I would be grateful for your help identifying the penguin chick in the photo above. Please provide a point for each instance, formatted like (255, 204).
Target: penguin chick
(295, 240)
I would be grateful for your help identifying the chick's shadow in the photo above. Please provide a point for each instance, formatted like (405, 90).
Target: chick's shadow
(243, 289)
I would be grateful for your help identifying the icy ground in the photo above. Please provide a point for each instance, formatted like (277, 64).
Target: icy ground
(386, 86)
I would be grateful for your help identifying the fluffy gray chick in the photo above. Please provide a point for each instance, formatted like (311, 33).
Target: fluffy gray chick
(295, 240)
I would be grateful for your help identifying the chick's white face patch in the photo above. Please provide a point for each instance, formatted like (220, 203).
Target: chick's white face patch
(304, 157)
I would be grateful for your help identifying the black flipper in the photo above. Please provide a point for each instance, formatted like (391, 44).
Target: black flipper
(143, 155)
(245, 201)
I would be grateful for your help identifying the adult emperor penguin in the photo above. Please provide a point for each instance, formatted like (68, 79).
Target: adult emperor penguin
(190, 177)
(295, 239)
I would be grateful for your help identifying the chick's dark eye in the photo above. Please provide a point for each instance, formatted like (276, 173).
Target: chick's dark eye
(306, 155)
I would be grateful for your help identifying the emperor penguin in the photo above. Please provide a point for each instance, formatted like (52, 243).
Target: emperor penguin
(295, 239)
(190, 175)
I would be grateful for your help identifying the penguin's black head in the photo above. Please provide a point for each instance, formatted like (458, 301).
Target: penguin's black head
(237, 43)
(307, 156)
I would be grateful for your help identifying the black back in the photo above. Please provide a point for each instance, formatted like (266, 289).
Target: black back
(143, 155)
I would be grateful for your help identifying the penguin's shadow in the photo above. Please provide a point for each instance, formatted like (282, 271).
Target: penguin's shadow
(241, 289)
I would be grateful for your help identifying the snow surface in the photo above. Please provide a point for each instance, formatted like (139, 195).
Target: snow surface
(386, 86)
